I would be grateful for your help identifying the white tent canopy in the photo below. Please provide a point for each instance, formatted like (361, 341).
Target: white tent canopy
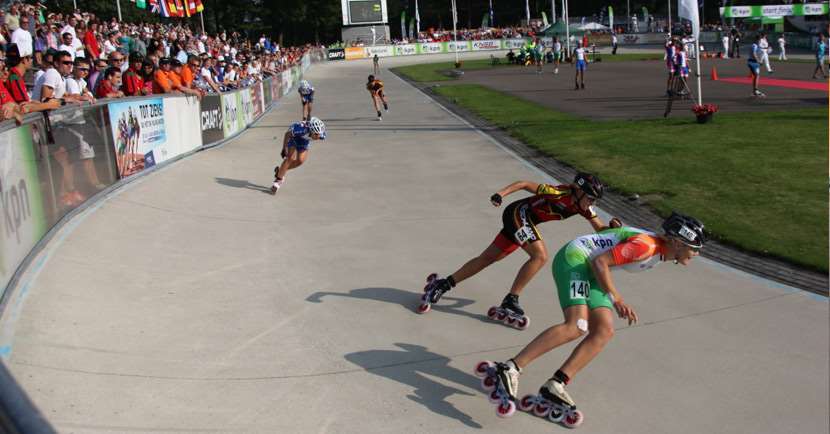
(593, 26)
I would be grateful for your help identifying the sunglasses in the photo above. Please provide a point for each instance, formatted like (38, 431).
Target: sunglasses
(83, 69)
(117, 59)
(68, 62)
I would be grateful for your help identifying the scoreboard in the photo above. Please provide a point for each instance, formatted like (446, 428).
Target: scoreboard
(359, 12)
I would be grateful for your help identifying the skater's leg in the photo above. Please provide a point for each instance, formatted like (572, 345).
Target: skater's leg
(298, 160)
(538, 258)
(490, 255)
(555, 336)
(287, 163)
(601, 330)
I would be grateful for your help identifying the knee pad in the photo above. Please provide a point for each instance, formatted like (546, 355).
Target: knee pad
(582, 326)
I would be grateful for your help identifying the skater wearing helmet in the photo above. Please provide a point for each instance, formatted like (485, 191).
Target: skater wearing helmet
(375, 88)
(306, 91)
(589, 297)
(520, 218)
(295, 146)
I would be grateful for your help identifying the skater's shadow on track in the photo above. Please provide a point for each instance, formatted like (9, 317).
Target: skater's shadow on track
(238, 183)
(414, 366)
(406, 299)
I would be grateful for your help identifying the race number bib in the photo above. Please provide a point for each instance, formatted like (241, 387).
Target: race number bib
(580, 289)
(524, 234)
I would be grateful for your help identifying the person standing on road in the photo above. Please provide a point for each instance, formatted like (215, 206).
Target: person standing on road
(763, 45)
(821, 50)
(725, 42)
(519, 219)
(295, 144)
(754, 64)
(581, 64)
(782, 44)
(557, 55)
(376, 65)
(589, 297)
(613, 44)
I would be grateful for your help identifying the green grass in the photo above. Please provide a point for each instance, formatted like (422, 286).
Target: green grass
(429, 72)
(757, 180)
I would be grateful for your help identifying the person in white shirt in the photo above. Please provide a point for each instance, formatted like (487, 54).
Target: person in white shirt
(725, 41)
(110, 45)
(763, 45)
(782, 43)
(23, 38)
(67, 45)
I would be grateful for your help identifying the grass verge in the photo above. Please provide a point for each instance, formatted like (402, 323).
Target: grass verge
(430, 72)
(757, 180)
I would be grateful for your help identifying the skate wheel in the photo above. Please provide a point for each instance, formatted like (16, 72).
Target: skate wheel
(509, 320)
(482, 367)
(523, 323)
(527, 403)
(431, 277)
(506, 409)
(501, 316)
(423, 308)
(541, 410)
(574, 419)
(424, 297)
(495, 396)
(492, 312)
(556, 414)
(488, 383)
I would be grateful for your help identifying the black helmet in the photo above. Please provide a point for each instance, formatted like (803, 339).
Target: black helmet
(371, 78)
(688, 230)
(590, 184)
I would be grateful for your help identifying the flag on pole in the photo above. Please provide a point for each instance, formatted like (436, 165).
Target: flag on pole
(164, 9)
(417, 20)
(611, 18)
(544, 19)
(403, 24)
(179, 8)
(199, 6)
(688, 9)
(154, 6)
(141, 4)
(527, 11)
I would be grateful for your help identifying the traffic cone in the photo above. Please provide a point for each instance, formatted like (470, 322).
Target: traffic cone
(714, 74)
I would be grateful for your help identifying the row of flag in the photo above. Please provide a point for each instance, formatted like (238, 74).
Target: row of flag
(171, 8)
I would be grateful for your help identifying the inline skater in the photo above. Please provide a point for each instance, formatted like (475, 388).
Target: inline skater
(375, 88)
(581, 64)
(557, 55)
(681, 67)
(670, 56)
(753, 62)
(520, 218)
(306, 91)
(536, 51)
(295, 144)
(589, 297)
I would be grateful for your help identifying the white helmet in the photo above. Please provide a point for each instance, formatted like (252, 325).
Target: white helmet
(315, 125)
(304, 85)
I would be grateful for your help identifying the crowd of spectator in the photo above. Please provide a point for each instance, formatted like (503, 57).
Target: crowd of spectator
(49, 59)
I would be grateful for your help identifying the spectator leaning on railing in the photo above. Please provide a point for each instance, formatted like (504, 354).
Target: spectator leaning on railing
(133, 83)
(108, 88)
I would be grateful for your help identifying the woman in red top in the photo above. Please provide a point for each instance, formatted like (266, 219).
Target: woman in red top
(133, 82)
(90, 40)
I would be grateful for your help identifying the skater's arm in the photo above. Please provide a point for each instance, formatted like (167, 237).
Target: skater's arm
(601, 267)
(528, 186)
(599, 225)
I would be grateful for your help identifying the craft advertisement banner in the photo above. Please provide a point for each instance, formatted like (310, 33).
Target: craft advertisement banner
(21, 202)
(138, 134)
(211, 119)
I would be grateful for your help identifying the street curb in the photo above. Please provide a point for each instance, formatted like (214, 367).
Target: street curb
(640, 215)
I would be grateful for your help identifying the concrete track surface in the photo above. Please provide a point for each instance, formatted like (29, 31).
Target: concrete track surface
(193, 301)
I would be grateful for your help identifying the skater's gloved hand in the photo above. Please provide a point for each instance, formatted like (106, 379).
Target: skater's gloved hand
(615, 223)
(626, 312)
(283, 153)
(495, 199)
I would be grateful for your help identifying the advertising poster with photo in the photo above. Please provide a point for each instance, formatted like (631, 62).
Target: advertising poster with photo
(230, 114)
(22, 218)
(257, 100)
(138, 135)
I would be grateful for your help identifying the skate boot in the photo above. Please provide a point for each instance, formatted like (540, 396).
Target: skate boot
(276, 185)
(510, 313)
(582, 85)
(380, 118)
(758, 93)
(556, 71)
(554, 403)
(501, 380)
(433, 291)
(385, 107)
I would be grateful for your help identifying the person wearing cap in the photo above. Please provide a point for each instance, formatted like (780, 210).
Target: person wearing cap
(133, 83)
(161, 78)
(177, 82)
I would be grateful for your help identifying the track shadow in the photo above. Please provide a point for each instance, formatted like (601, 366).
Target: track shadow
(413, 367)
(406, 299)
(238, 183)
